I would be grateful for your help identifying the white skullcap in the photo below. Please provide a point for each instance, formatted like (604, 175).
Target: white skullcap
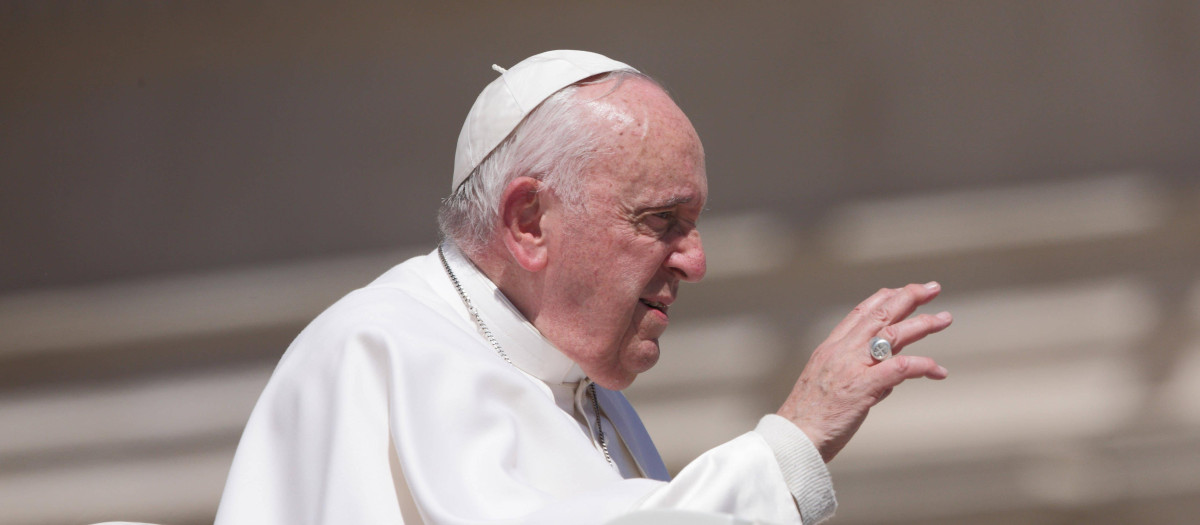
(505, 102)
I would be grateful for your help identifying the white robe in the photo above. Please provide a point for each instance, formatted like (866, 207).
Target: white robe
(400, 363)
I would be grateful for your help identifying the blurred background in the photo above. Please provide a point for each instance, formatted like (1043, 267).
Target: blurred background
(183, 186)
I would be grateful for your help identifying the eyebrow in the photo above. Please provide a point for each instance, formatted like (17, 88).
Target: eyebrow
(671, 203)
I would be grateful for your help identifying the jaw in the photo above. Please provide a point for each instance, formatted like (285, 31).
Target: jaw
(616, 364)
(633, 357)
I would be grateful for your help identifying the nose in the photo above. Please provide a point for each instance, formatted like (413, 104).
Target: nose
(687, 260)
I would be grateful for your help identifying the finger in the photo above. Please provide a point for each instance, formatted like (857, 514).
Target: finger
(892, 372)
(902, 304)
(870, 305)
(887, 307)
(909, 331)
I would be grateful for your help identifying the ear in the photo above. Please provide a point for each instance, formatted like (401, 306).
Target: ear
(522, 209)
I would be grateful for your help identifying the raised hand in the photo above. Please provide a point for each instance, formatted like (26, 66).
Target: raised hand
(841, 381)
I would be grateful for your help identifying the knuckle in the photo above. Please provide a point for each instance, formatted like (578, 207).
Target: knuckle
(918, 323)
(879, 314)
(930, 322)
(891, 334)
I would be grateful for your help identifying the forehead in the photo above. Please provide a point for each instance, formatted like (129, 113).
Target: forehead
(652, 153)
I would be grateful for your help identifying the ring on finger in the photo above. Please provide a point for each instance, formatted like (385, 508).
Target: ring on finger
(880, 348)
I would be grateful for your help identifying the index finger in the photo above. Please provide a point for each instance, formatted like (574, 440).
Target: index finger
(885, 307)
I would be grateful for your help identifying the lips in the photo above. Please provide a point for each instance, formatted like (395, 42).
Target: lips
(655, 305)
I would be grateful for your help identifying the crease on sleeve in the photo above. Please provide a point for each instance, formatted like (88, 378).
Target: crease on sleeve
(805, 472)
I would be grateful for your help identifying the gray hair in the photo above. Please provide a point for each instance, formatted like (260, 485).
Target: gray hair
(555, 143)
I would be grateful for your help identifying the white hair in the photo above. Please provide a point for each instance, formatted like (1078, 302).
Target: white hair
(555, 144)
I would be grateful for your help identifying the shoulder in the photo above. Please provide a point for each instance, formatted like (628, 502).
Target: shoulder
(405, 292)
(404, 311)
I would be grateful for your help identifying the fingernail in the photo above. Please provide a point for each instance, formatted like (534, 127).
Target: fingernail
(945, 316)
(932, 285)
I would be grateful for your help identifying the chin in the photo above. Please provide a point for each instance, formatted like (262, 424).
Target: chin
(633, 359)
(618, 385)
(643, 357)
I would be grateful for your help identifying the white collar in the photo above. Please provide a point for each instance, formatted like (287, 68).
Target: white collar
(528, 349)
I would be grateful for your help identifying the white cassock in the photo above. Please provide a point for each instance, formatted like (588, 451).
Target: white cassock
(479, 440)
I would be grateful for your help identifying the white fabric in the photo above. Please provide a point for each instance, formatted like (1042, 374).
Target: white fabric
(506, 101)
(479, 440)
(676, 517)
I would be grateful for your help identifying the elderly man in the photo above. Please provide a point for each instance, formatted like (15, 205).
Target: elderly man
(493, 365)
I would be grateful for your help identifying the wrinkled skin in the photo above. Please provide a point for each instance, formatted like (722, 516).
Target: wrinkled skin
(616, 261)
(598, 279)
(841, 381)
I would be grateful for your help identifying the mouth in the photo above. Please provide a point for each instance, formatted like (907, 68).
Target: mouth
(654, 305)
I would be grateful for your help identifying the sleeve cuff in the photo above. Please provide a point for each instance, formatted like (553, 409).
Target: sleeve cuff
(803, 469)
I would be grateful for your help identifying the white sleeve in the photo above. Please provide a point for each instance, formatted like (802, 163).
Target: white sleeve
(802, 467)
(767, 475)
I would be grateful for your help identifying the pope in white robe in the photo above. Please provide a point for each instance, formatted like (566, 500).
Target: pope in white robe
(481, 367)
(479, 440)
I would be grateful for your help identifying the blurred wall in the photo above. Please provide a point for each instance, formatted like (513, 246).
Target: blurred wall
(184, 186)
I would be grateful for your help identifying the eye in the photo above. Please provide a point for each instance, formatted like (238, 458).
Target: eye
(662, 223)
(662, 220)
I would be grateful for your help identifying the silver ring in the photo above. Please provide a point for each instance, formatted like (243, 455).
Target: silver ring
(881, 348)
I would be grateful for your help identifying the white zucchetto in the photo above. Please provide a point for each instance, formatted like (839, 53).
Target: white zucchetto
(505, 102)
